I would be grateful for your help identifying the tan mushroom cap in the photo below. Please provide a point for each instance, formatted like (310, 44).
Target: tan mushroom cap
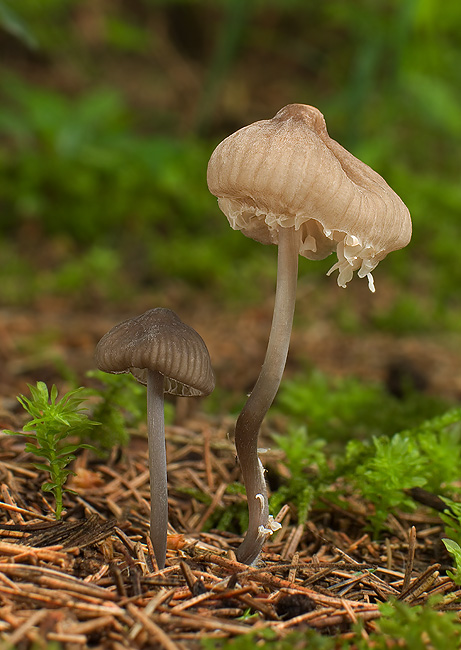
(158, 340)
(288, 173)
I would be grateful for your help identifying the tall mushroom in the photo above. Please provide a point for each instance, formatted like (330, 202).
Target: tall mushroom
(285, 181)
(170, 357)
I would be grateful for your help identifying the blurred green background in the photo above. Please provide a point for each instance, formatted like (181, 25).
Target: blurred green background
(109, 110)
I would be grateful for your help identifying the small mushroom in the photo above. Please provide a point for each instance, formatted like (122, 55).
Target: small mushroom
(285, 181)
(169, 357)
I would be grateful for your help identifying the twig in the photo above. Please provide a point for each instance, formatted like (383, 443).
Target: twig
(18, 635)
(211, 508)
(57, 580)
(23, 511)
(410, 558)
(266, 578)
(152, 628)
(420, 584)
(157, 600)
(201, 622)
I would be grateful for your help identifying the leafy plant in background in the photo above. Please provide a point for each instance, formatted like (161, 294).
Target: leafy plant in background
(116, 405)
(344, 408)
(455, 550)
(266, 638)
(120, 405)
(334, 409)
(414, 628)
(81, 147)
(382, 469)
(394, 466)
(233, 518)
(427, 455)
(302, 453)
(53, 423)
(452, 519)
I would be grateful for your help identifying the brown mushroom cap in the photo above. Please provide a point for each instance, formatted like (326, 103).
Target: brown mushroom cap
(288, 173)
(158, 340)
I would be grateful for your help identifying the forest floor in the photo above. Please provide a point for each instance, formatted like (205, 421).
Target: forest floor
(90, 580)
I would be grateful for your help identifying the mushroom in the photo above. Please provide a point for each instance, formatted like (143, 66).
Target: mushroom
(285, 181)
(169, 357)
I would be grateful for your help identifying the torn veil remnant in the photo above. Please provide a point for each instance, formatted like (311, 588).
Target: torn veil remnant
(288, 173)
(284, 181)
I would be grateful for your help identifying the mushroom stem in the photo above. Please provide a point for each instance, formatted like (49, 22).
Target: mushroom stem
(157, 465)
(262, 396)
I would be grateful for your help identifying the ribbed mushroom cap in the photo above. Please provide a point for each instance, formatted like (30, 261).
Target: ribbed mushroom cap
(158, 340)
(288, 173)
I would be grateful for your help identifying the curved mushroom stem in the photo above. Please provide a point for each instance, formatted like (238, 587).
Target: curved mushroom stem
(157, 465)
(262, 396)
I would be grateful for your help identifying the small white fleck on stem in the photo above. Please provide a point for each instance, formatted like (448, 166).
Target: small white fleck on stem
(261, 500)
(270, 527)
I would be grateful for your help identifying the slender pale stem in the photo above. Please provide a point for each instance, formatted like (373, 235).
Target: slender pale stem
(157, 465)
(262, 396)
